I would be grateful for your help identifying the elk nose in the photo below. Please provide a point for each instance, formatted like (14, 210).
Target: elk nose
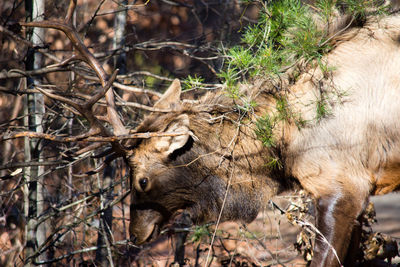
(143, 183)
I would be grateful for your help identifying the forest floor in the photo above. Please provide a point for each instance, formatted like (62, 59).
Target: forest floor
(268, 241)
(387, 210)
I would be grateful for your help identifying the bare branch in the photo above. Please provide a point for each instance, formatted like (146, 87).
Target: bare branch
(32, 163)
(88, 137)
(89, 104)
(145, 73)
(16, 73)
(88, 57)
(135, 89)
(151, 45)
(15, 37)
(73, 36)
(60, 98)
(81, 251)
(88, 148)
(70, 12)
(49, 242)
(141, 106)
(18, 39)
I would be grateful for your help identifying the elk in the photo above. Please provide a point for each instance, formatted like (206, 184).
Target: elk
(209, 160)
(205, 158)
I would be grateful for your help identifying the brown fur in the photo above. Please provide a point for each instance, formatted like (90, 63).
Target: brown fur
(340, 160)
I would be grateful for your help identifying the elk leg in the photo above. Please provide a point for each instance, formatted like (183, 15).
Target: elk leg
(354, 252)
(336, 217)
(182, 222)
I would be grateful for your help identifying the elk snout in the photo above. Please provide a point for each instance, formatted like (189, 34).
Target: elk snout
(144, 225)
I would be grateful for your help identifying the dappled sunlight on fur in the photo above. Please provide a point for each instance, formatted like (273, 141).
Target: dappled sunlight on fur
(339, 158)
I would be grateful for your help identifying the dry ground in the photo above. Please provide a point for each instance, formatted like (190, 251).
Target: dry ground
(268, 241)
(387, 210)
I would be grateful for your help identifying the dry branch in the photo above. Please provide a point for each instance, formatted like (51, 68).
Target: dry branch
(88, 138)
(70, 31)
(16, 73)
(32, 163)
(57, 234)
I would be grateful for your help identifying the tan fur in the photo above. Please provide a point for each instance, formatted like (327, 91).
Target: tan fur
(366, 125)
(340, 159)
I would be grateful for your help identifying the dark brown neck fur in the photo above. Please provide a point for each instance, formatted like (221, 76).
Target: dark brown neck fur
(227, 146)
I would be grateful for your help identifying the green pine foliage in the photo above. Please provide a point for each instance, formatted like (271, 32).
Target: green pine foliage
(264, 127)
(286, 33)
(360, 9)
(192, 82)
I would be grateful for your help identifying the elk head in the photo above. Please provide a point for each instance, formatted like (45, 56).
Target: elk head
(183, 169)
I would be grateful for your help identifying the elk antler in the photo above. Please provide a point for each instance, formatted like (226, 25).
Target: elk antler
(88, 57)
(86, 108)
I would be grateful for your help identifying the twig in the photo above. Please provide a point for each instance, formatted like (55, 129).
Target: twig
(44, 247)
(70, 12)
(80, 251)
(314, 229)
(88, 138)
(27, 43)
(224, 200)
(135, 89)
(16, 73)
(145, 73)
(32, 163)
(87, 25)
(263, 246)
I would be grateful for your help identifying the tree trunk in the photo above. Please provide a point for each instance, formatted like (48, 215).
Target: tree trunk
(103, 253)
(34, 197)
(119, 38)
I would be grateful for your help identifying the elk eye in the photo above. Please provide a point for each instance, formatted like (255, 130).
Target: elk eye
(143, 183)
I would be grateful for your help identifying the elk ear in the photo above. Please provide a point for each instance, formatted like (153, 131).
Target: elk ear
(170, 144)
(171, 97)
